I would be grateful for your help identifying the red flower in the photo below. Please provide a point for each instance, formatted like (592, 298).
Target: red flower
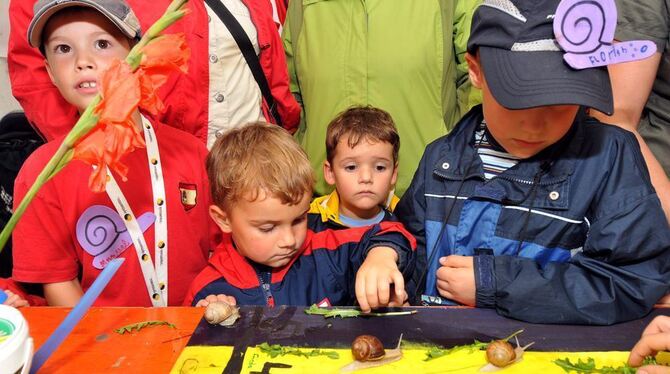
(160, 58)
(122, 91)
(116, 134)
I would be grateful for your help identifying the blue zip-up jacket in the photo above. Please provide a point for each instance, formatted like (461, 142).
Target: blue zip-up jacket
(323, 272)
(575, 234)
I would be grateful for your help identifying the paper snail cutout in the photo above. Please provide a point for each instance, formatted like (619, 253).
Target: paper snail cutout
(103, 235)
(585, 31)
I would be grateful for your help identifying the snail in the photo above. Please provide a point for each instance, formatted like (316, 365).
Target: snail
(369, 352)
(367, 348)
(500, 353)
(221, 313)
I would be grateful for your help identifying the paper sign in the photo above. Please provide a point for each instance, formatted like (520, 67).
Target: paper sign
(585, 31)
(102, 233)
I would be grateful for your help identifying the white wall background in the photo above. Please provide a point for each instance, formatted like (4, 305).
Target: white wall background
(7, 102)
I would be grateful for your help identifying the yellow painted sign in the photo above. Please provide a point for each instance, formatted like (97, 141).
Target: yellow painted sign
(212, 359)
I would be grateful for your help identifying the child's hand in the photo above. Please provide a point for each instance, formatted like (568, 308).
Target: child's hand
(214, 298)
(14, 300)
(456, 279)
(655, 338)
(664, 300)
(378, 281)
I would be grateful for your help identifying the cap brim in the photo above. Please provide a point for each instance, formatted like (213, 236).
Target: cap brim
(40, 20)
(522, 80)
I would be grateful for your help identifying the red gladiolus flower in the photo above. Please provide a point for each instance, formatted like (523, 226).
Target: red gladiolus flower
(160, 58)
(116, 134)
(122, 91)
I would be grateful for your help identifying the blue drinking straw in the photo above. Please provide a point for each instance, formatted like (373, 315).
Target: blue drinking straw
(3, 296)
(75, 315)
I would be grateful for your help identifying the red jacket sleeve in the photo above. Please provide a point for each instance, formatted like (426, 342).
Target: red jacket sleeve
(44, 106)
(11, 285)
(273, 63)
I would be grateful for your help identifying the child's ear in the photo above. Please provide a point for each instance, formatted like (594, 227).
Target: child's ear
(394, 178)
(474, 70)
(328, 174)
(220, 217)
(46, 63)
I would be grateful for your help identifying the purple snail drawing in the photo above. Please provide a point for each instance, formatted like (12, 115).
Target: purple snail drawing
(585, 29)
(103, 235)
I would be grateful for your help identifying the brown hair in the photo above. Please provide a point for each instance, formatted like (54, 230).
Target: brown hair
(362, 122)
(255, 158)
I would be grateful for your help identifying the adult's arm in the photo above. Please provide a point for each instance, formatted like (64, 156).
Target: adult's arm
(632, 82)
(290, 32)
(276, 70)
(631, 86)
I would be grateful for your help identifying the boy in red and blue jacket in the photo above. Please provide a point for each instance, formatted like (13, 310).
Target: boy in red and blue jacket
(270, 255)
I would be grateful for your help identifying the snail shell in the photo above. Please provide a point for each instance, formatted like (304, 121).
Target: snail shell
(367, 348)
(221, 313)
(500, 353)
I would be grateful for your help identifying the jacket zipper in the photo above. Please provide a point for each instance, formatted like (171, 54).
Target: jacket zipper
(265, 278)
(436, 172)
(501, 176)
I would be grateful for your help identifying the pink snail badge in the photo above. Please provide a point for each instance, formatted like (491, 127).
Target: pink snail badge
(585, 31)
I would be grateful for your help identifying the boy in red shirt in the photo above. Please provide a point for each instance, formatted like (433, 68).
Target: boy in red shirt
(68, 234)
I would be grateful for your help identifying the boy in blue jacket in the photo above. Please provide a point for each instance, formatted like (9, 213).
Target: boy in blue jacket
(529, 206)
(269, 254)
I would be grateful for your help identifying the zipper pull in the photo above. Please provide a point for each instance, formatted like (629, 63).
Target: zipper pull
(266, 289)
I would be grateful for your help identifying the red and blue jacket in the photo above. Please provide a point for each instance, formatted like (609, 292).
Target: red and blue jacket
(323, 272)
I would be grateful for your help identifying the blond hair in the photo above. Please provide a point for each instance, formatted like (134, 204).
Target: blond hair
(258, 158)
(362, 123)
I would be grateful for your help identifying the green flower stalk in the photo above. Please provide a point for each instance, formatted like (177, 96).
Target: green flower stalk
(89, 119)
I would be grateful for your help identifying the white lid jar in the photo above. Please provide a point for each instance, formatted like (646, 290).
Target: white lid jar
(16, 345)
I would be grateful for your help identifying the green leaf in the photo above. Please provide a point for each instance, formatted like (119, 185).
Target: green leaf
(140, 325)
(350, 313)
(275, 350)
(335, 312)
(437, 352)
(589, 366)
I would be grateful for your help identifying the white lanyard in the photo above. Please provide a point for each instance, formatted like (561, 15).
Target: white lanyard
(155, 278)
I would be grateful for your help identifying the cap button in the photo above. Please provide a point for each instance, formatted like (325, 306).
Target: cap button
(554, 195)
(445, 165)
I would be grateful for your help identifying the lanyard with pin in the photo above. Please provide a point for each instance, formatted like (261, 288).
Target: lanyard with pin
(155, 277)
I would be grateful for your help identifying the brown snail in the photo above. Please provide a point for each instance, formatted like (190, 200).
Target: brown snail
(369, 352)
(500, 353)
(367, 348)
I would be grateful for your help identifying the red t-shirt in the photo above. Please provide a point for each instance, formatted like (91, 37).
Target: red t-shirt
(69, 231)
